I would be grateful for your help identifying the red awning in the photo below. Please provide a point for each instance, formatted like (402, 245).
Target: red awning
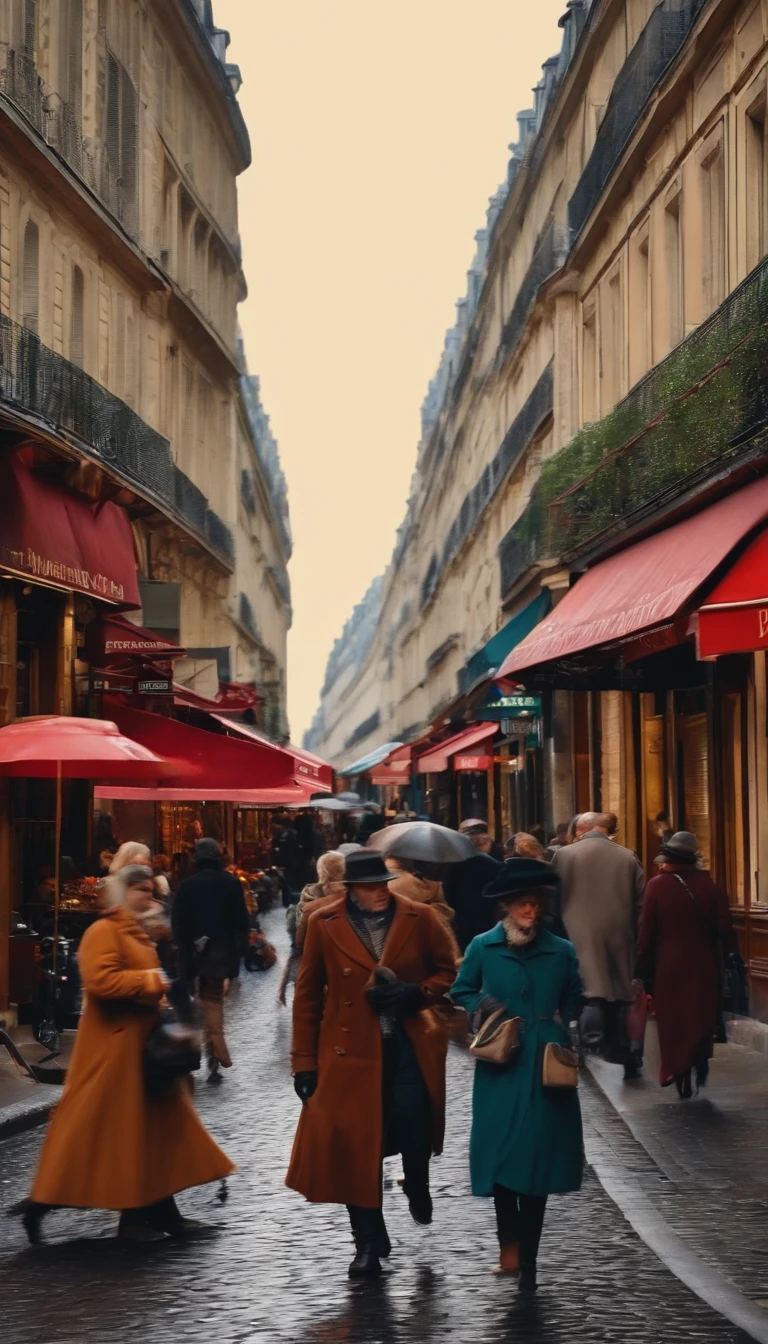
(210, 764)
(307, 769)
(53, 536)
(286, 795)
(396, 768)
(734, 618)
(440, 756)
(644, 586)
(113, 638)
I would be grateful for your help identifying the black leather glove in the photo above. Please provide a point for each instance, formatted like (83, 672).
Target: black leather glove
(305, 1085)
(395, 999)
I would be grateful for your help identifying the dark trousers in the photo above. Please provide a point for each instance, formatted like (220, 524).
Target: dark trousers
(519, 1221)
(407, 1130)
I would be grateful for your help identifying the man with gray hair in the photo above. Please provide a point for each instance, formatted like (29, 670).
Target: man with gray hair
(602, 886)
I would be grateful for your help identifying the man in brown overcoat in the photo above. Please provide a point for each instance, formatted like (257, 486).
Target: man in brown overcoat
(369, 1053)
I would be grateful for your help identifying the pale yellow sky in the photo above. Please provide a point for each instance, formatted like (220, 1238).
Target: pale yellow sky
(379, 131)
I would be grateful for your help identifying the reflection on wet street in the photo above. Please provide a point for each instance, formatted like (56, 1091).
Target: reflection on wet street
(274, 1268)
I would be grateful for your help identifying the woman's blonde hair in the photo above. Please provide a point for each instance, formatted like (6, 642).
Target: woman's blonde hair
(131, 852)
(116, 886)
(330, 867)
(527, 846)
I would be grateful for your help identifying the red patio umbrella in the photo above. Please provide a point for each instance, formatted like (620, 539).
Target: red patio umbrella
(54, 746)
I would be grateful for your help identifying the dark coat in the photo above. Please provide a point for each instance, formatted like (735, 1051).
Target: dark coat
(679, 954)
(210, 904)
(463, 889)
(524, 1136)
(340, 1139)
(601, 894)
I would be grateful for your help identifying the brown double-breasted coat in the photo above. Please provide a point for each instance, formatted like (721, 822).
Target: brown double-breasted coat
(339, 1143)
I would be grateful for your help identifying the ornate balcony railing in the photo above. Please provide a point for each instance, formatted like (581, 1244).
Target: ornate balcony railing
(40, 382)
(701, 411)
(655, 49)
(58, 123)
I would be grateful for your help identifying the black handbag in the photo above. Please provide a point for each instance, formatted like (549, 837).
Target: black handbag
(172, 1050)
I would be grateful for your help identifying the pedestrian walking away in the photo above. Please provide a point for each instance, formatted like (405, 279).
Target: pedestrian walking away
(601, 895)
(685, 931)
(210, 922)
(111, 1143)
(526, 1141)
(369, 1054)
(329, 885)
(463, 888)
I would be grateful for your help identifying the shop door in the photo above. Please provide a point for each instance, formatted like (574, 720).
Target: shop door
(693, 779)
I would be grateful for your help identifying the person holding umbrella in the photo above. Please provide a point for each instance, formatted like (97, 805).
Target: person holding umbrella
(369, 1054)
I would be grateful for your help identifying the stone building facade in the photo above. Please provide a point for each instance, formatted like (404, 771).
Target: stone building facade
(603, 385)
(123, 380)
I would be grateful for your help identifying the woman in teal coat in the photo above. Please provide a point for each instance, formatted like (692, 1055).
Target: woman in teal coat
(526, 1139)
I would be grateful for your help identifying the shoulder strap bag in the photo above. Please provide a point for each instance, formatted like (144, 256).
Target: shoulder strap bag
(498, 1040)
(706, 923)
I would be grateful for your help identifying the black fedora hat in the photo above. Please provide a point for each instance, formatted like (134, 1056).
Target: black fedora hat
(364, 866)
(517, 876)
(682, 847)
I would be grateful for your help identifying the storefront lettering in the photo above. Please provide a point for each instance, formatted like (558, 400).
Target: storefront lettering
(39, 567)
(762, 617)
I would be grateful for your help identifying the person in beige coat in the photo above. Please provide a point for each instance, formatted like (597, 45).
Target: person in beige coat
(601, 897)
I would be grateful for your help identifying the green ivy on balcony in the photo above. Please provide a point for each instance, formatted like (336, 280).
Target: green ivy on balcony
(697, 411)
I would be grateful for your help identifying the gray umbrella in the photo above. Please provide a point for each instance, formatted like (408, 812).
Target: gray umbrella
(422, 842)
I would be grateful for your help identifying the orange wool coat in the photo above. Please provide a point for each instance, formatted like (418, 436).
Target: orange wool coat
(108, 1146)
(340, 1140)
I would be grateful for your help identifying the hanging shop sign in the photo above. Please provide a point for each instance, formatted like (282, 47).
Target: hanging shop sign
(517, 705)
(472, 762)
(154, 686)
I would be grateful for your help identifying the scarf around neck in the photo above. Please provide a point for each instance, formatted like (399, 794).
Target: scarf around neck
(517, 937)
(371, 926)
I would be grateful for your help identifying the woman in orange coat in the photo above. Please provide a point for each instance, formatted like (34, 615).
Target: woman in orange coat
(369, 1052)
(110, 1145)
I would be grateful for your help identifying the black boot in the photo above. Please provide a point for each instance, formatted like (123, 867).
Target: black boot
(420, 1204)
(166, 1216)
(683, 1085)
(366, 1264)
(32, 1215)
(527, 1281)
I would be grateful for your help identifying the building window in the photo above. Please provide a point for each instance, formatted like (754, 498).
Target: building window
(30, 313)
(755, 181)
(714, 278)
(24, 26)
(589, 363)
(121, 135)
(673, 249)
(71, 52)
(639, 306)
(611, 340)
(77, 330)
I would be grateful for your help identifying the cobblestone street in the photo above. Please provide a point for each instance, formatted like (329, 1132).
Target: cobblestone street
(275, 1269)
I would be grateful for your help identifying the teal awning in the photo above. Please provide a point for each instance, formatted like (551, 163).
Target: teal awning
(491, 657)
(372, 759)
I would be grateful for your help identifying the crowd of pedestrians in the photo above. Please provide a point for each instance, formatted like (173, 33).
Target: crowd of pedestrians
(543, 951)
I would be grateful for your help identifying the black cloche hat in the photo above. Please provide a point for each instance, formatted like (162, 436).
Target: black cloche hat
(517, 876)
(364, 866)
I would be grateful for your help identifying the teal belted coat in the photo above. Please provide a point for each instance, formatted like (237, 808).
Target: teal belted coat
(524, 1136)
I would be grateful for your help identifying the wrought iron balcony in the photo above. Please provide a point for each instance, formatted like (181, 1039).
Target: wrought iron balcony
(58, 123)
(655, 49)
(701, 412)
(37, 381)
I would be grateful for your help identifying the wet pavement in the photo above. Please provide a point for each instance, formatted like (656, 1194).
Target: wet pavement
(275, 1269)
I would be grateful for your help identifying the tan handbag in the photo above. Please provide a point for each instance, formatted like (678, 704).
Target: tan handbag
(498, 1040)
(561, 1066)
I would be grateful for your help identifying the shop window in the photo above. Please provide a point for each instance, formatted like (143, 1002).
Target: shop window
(77, 331)
(654, 773)
(30, 312)
(733, 800)
(582, 756)
(693, 779)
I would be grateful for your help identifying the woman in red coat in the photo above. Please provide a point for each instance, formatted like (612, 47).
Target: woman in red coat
(685, 922)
